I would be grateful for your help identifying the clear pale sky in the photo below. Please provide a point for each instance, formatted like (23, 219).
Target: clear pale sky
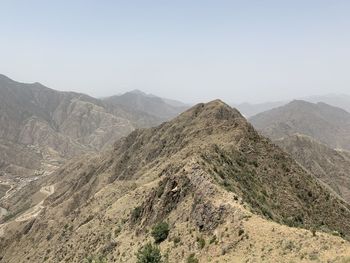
(188, 50)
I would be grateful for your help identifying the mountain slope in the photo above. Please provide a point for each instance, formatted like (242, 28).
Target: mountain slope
(329, 165)
(250, 109)
(337, 100)
(152, 105)
(204, 173)
(59, 125)
(325, 123)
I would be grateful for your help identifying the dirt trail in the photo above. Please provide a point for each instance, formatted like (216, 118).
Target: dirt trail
(7, 194)
(34, 211)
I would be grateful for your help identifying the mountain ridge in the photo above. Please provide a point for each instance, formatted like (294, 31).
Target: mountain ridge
(325, 123)
(62, 124)
(203, 172)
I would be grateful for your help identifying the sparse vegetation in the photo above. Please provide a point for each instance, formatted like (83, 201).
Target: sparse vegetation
(201, 242)
(136, 213)
(192, 259)
(177, 240)
(160, 232)
(149, 254)
(95, 259)
(313, 231)
(213, 240)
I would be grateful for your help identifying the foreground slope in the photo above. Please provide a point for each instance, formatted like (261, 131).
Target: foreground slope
(325, 123)
(210, 175)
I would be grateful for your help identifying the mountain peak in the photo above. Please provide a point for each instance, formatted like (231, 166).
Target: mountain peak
(300, 103)
(215, 109)
(137, 91)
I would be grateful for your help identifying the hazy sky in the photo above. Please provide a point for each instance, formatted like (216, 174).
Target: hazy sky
(187, 50)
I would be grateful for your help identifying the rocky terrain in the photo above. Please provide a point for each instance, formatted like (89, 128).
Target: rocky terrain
(40, 126)
(324, 123)
(205, 186)
(329, 165)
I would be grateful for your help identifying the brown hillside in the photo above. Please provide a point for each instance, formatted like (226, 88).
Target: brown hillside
(204, 173)
(327, 124)
(329, 165)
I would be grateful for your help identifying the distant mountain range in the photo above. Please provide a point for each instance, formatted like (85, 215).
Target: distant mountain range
(327, 124)
(249, 109)
(51, 126)
(141, 102)
(316, 135)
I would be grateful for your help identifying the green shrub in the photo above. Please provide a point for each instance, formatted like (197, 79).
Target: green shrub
(160, 232)
(149, 254)
(177, 240)
(192, 259)
(136, 213)
(95, 259)
(201, 242)
(212, 240)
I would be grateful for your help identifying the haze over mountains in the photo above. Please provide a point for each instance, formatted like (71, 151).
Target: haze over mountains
(251, 109)
(51, 126)
(327, 124)
(85, 179)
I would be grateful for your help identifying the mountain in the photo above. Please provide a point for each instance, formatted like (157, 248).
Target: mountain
(336, 100)
(226, 194)
(331, 166)
(325, 123)
(150, 104)
(41, 127)
(249, 109)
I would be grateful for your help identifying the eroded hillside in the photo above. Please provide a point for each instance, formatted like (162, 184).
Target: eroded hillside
(329, 165)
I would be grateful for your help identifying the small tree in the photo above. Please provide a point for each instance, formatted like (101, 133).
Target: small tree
(160, 232)
(149, 254)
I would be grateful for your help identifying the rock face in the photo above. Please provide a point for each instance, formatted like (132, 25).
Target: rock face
(331, 166)
(60, 125)
(325, 123)
(226, 192)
